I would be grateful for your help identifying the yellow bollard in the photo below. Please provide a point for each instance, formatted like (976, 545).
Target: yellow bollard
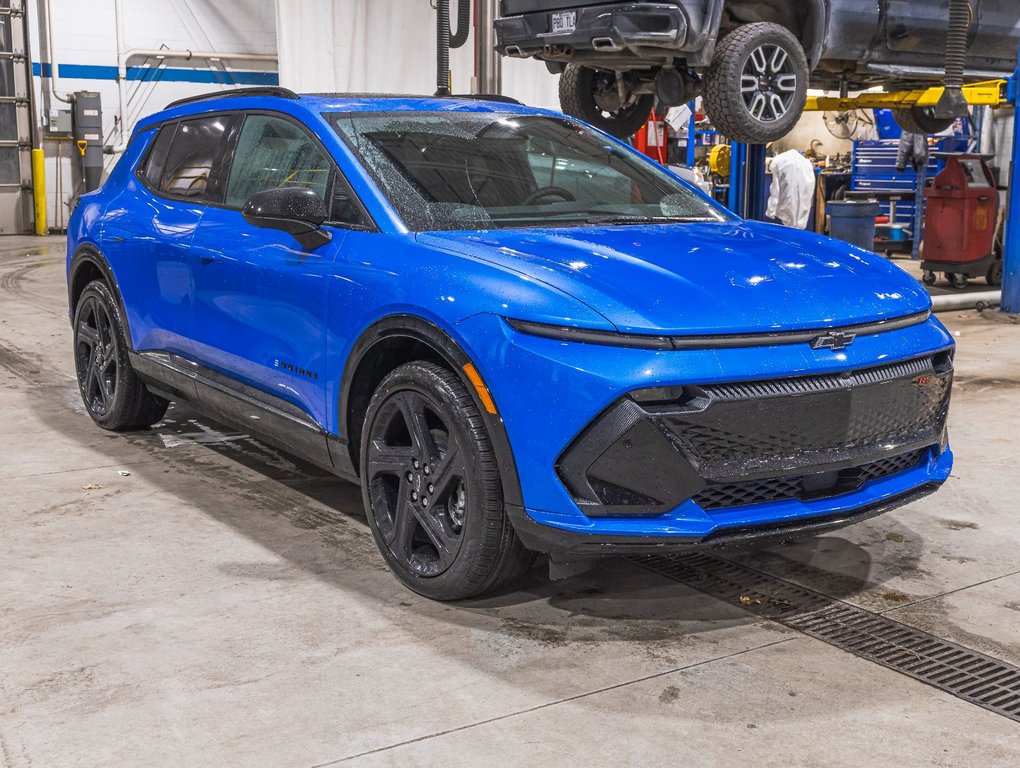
(39, 191)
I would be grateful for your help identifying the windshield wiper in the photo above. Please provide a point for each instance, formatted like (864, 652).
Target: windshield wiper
(621, 219)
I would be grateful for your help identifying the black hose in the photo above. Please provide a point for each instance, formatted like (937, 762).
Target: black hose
(953, 103)
(443, 48)
(956, 42)
(447, 39)
(458, 38)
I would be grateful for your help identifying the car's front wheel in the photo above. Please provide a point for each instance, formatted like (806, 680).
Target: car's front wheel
(594, 96)
(114, 396)
(756, 86)
(432, 487)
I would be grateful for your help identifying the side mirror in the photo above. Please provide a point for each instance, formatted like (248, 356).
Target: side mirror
(295, 210)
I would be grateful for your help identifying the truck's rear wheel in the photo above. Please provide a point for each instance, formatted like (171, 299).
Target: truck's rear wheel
(592, 95)
(921, 120)
(757, 84)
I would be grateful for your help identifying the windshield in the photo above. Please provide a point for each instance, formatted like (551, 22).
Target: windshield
(469, 170)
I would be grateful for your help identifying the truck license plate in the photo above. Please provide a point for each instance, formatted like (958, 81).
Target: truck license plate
(566, 21)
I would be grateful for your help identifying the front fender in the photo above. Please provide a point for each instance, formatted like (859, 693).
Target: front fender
(453, 350)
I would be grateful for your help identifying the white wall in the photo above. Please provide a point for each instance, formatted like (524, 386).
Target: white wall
(84, 35)
(384, 46)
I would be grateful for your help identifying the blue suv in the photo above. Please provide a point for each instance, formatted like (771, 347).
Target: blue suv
(516, 333)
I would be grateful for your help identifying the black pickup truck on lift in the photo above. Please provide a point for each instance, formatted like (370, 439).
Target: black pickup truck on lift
(753, 60)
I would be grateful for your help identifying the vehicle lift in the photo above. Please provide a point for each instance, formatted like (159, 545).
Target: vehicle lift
(747, 166)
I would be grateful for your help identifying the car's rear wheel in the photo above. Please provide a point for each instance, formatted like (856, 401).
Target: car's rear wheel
(756, 86)
(114, 396)
(593, 96)
(921, 120)
(432, 487)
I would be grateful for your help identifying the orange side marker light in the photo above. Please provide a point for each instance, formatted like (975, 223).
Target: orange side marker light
(479, 385)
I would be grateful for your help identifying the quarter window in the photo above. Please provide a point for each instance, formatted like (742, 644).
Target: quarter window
(193, 153)
(155, 161)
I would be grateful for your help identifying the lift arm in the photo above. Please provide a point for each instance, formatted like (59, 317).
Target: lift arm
(992, 93)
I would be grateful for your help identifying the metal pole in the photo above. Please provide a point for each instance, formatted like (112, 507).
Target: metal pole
(488, 63)
(54, 69)
(754, 180)
(918, 225)
(692, 131)
(736, 193)
(1011, 249)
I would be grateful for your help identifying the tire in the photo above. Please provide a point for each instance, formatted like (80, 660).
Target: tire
(928, 277)
(113, 395)
(432, 489)
(958, 279)
(921, 120)
(994, 275)
(590, 95)
(769, 108)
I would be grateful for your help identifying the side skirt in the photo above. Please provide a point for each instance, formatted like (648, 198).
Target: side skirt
(245, 408)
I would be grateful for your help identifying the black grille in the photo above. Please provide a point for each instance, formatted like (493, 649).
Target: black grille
(807, 384)
(815, 485)
(777, 427)
(739, 443)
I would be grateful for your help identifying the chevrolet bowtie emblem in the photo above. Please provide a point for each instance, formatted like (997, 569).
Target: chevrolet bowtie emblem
(835, 340)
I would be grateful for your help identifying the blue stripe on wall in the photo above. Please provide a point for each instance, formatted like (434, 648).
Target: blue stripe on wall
(168, 74)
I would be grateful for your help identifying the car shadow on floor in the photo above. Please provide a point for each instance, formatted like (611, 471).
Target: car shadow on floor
(251, 486)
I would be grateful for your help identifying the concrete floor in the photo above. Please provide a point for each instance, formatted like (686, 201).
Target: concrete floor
(189, 597)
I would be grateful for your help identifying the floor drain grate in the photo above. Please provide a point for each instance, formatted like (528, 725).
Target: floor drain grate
(969, 675)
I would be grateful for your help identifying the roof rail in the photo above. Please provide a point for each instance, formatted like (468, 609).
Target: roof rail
(268, 90)
(488, 97)
(470, 96)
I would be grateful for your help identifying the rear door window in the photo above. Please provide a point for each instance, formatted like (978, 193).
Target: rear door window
(190, 164)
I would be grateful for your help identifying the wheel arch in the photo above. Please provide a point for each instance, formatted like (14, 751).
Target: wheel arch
(389, 343)
(807, 19)
(88, 264)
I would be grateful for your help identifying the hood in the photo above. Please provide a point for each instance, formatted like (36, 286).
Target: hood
(700, 278)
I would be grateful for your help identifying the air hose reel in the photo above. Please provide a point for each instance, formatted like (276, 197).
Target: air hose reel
(447, 39)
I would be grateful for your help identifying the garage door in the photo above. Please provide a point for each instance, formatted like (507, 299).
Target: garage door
(15, 156)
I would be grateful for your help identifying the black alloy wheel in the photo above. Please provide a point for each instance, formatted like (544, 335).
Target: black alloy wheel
(113, 395)
(417, 479)
(96, 356)
(432, 488)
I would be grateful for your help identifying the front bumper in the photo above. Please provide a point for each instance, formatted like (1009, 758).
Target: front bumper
(866, 435)
(568, 544)
(613, 28)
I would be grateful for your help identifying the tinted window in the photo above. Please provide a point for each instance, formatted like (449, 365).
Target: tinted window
(155, 161)
(271, 153)
(472, 170)
(189, 164)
